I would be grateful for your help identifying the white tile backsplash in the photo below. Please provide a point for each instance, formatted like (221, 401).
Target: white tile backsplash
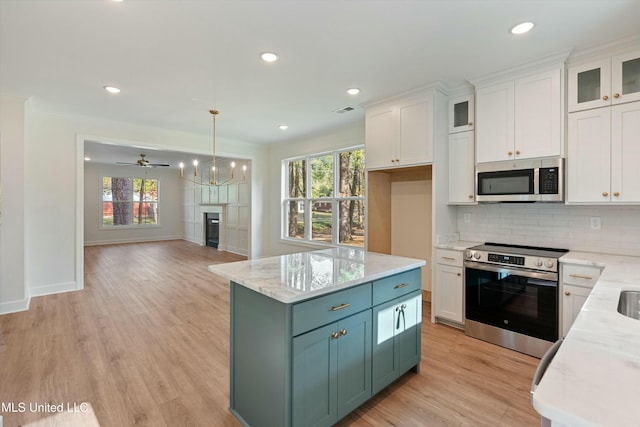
(554, 225)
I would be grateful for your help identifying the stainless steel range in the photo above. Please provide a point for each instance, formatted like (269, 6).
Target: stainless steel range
(511, 296)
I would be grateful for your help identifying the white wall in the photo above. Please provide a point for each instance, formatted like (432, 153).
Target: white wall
(13, 293)
(43, 194)
(169, 212)
(348, 136)
(554, 225)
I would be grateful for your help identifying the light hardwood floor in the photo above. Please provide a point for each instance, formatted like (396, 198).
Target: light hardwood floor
(147, 343)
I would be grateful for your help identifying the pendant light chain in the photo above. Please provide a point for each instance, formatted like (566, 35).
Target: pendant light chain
(214, 180)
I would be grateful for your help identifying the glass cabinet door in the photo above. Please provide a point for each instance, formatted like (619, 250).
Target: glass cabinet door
(461, 114)
(625, 84)
(589, 86)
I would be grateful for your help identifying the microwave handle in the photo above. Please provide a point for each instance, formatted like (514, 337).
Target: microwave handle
(543, 365)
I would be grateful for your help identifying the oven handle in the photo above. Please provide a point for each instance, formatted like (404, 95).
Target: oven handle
(543, 365)
(543, 275)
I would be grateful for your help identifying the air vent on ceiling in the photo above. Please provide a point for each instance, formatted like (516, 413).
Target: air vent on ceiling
(344, 110)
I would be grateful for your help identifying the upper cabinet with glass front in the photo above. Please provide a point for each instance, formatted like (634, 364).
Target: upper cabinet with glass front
(605, 82)
(461, 112)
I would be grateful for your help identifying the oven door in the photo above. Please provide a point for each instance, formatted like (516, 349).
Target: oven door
(517, 300)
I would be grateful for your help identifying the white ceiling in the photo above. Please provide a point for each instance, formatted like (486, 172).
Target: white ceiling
(176, 59)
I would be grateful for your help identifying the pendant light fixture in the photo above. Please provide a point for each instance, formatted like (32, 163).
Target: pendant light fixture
(214, 171)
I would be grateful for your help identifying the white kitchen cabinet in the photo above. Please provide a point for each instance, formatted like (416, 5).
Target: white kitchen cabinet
(603, 155)
(400, 133)
(573, 298)
(381, 137)
(608, 81)
(449, 287)
(520, 119)
(461, 168)
(576, 284)
(461, 113)
(495, 122)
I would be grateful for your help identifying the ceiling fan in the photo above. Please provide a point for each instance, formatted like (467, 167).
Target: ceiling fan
(143, 162)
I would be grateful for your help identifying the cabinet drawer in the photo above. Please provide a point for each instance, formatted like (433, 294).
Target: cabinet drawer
(395, 286)
(580, 275)
(449, 257)
(317, 312)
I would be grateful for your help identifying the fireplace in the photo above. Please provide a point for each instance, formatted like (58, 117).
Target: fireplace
(212, 229)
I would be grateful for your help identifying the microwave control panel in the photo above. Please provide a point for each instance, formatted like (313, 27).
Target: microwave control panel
(548, 180)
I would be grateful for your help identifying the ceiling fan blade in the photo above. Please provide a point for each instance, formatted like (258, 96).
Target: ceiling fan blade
(126, 163)
(158, 164)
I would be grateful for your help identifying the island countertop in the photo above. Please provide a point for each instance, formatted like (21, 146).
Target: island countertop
(593, 379)
(300, 276)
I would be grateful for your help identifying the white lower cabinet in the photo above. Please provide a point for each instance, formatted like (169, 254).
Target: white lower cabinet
(449, 287)
(573, 298)
(576, 284)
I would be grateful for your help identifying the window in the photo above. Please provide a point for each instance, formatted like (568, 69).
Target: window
(129, 201)
(324, 198)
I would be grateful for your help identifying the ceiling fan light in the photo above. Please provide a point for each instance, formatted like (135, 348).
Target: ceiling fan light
(112, 89)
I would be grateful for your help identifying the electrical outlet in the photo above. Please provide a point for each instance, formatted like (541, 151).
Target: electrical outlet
(595, 223)
(467, 217)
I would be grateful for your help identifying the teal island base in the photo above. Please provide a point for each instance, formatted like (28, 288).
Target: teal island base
(312, 362)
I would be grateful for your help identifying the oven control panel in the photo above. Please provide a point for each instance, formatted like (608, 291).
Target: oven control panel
(506, 259)
(529, 262)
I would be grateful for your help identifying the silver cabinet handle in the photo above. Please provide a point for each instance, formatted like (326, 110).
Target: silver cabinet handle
(450, 258)
(401, 285)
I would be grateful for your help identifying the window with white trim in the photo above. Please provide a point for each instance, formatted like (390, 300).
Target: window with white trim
(129, 201)
(323, 198)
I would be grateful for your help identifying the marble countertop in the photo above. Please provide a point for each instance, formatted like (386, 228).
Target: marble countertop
(594, 379)
(296, 277)
(458, 245)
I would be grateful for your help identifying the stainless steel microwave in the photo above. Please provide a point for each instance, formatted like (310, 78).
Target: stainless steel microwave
(531, 180)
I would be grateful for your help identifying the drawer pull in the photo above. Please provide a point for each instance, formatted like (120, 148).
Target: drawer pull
(401, 285)
(567, 293)
(458, 274)
(340, 307)
(335, 335)
(450, 258)
(580, 276)
(343, 332)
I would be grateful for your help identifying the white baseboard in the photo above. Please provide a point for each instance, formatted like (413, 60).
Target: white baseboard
(14, 306)
(56, 288)
(133, 240)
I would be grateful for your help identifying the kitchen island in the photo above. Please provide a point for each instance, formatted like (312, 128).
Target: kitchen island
(316, 334)
(594, 378)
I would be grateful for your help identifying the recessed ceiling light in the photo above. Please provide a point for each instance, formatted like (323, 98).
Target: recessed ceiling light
(269, 57)
(522, 28)
(353, 91)
(87, 159)
(112, 89)
(283, 127)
